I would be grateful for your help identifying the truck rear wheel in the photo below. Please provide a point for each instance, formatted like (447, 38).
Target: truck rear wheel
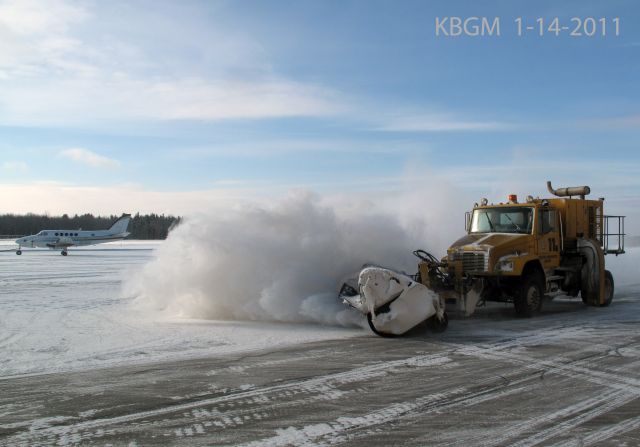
(528, 299)
(608, 288)
(591, 296)
(589, 291)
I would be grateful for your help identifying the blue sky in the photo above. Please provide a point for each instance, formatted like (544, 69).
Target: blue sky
(140, 104)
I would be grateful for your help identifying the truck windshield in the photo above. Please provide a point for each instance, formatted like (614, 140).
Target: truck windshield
(502, 220)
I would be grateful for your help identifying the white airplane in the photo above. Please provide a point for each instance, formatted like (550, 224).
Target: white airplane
(56, 239)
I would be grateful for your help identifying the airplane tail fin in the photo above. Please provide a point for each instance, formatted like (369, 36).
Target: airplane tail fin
(120, 225)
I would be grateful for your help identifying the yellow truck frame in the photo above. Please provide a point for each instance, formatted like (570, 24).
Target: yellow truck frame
(520, 252)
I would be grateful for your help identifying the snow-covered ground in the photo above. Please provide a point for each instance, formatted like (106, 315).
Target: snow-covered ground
(567, 377)
(70, 313)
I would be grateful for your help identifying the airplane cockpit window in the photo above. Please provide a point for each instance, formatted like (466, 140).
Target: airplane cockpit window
(56, 234)
(44, 233)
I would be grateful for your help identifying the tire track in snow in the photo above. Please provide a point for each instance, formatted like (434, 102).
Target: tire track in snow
(241, 369)
(227, 420)
(607, 379)
(347, 377)
(608, 404)
(626, 392)
(333, 432)
(330, 432)
(579, 413)
(350, 376)
(604, 434)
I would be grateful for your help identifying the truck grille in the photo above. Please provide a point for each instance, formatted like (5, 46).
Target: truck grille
(471, 262)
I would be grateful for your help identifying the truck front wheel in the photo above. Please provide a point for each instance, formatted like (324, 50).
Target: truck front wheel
(528, 299)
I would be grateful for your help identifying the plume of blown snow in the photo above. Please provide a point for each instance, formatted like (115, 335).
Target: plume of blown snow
(281, 261)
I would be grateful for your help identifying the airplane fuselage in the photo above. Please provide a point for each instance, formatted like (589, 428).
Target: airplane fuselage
(69, 238)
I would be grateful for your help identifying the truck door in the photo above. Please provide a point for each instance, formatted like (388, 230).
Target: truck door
(548, 238)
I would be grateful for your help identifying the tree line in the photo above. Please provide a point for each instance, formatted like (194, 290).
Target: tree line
(141, 226)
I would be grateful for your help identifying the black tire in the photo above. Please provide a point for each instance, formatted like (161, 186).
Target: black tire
(586, 289)
(375, 331)
(608, 288)
(63, 253)
(18, 252)
(528, 299)
(589, 290)
(435, 324)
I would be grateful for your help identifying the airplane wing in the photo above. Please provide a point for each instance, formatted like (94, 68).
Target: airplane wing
(63, 242)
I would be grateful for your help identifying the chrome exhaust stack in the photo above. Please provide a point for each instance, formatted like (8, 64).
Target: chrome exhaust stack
(569, 192)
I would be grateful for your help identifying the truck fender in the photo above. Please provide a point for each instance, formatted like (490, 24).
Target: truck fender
(534, 266)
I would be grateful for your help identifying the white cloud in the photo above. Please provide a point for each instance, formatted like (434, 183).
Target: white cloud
(28, 17)
(89, 158)
(121, 99)
(58, 198)
(625, 122)
(16, 167)
(276, 147)
(34, 36)
(53, 71)
(439, 122)
(78, 64)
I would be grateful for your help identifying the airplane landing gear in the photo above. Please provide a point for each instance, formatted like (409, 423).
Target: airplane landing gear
(63, 252)
(18, 251)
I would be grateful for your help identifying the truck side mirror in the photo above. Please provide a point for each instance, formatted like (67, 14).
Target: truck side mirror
(467, 221)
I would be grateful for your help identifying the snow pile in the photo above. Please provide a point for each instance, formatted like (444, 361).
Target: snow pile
(280, 261)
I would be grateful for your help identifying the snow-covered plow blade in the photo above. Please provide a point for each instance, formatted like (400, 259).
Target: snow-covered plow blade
(393, 303)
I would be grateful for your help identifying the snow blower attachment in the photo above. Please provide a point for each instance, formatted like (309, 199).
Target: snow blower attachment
(513, 252)
(393, 303)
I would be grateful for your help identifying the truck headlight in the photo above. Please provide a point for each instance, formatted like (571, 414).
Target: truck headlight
(505, 266)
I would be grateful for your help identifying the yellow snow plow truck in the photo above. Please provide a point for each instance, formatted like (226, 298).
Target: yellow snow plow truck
(521, 251)
(515, 252)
